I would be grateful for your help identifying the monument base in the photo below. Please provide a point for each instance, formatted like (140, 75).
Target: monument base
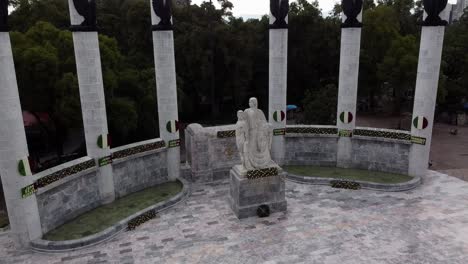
(248, 194)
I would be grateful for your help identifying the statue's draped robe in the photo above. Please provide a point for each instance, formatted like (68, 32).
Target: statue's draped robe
(258, 147)
(242, 132)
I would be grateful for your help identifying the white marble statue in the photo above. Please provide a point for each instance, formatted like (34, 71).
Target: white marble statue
(254, 136)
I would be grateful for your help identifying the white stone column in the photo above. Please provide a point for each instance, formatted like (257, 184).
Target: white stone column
(347, 90)
(93, 105)
(166, 86)
(278, 76)
(427, 82)
(22, 213)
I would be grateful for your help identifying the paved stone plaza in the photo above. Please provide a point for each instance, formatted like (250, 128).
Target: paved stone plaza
(322, 225)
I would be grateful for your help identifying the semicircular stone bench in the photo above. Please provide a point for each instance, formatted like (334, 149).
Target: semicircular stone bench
(396, 187)
(129, 222)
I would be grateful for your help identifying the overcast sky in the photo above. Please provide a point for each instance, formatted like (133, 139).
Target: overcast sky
(261, 7)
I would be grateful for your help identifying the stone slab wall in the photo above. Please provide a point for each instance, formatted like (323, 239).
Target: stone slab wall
(138, 166)
(380, 155)
(311, 150)
(211, 152)
(140, 171)
(64, 202)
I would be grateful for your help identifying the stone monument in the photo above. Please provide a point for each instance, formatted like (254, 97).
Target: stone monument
(278, 75)
(435, 19)
(22, 213)
(351, 28)
(258, 182)
(166, 85)
(91, 86)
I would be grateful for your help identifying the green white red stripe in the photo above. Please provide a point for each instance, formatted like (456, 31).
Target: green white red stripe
(346, 117)
(103, 141)
(172, 126)
(23, 167)
(279, 116)
(420, 122)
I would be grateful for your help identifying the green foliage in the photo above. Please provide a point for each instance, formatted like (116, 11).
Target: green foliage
(122, 115)
(105, 216)
(398, 68)
(455, 66)
(222, 60)
(320, 105)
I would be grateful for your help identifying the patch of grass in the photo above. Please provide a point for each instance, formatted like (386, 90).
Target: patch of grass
(4, 220)
(348, 174)
(105, 216)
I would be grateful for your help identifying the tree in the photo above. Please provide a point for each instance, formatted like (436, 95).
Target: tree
(380, 28)
(320, 105)
(43, 58)
(398, 68)
(123, 118)
(455, 66)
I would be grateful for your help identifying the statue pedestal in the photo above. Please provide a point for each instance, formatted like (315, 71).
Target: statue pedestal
(251, 189)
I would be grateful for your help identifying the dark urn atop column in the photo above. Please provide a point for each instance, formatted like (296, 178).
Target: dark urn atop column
(163, 10)
(433, 9)
(351, 9)
(86, 9)
(279, 9)
(3, 15)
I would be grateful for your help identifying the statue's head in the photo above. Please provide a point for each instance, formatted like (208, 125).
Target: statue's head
(253, 103)
(240, 115)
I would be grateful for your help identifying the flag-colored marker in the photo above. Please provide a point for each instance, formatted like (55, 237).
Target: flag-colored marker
(172, 126)
(23, 167)
(346, 117)
(279, 116)
(420, 122)
(103, 141)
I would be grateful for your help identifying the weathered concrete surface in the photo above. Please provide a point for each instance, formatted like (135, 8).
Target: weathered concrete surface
(68, 200)
(166, 90)
(23, 213)
(322, 225)
(278, 75)
(210, 158)
(93, 105)
(347, 89)
(135, 174)
(425, 96)
(247, 195)
(380, 155)
(311, 150)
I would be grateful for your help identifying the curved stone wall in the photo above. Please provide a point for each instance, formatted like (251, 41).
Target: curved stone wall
(144, 168)
(373, 149)
(64, 199)
(71, 189)
(311, 145)
(211, 151)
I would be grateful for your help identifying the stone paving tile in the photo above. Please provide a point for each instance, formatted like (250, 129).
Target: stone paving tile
(322, 225)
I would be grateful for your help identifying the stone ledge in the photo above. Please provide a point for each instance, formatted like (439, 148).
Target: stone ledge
(311, 131)
(46, 246)
(64, 180)
(60, 167)
(381, 139)
(398, 187)
(380, 133)
(137, 150)
(56, 176)
(307, 135)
